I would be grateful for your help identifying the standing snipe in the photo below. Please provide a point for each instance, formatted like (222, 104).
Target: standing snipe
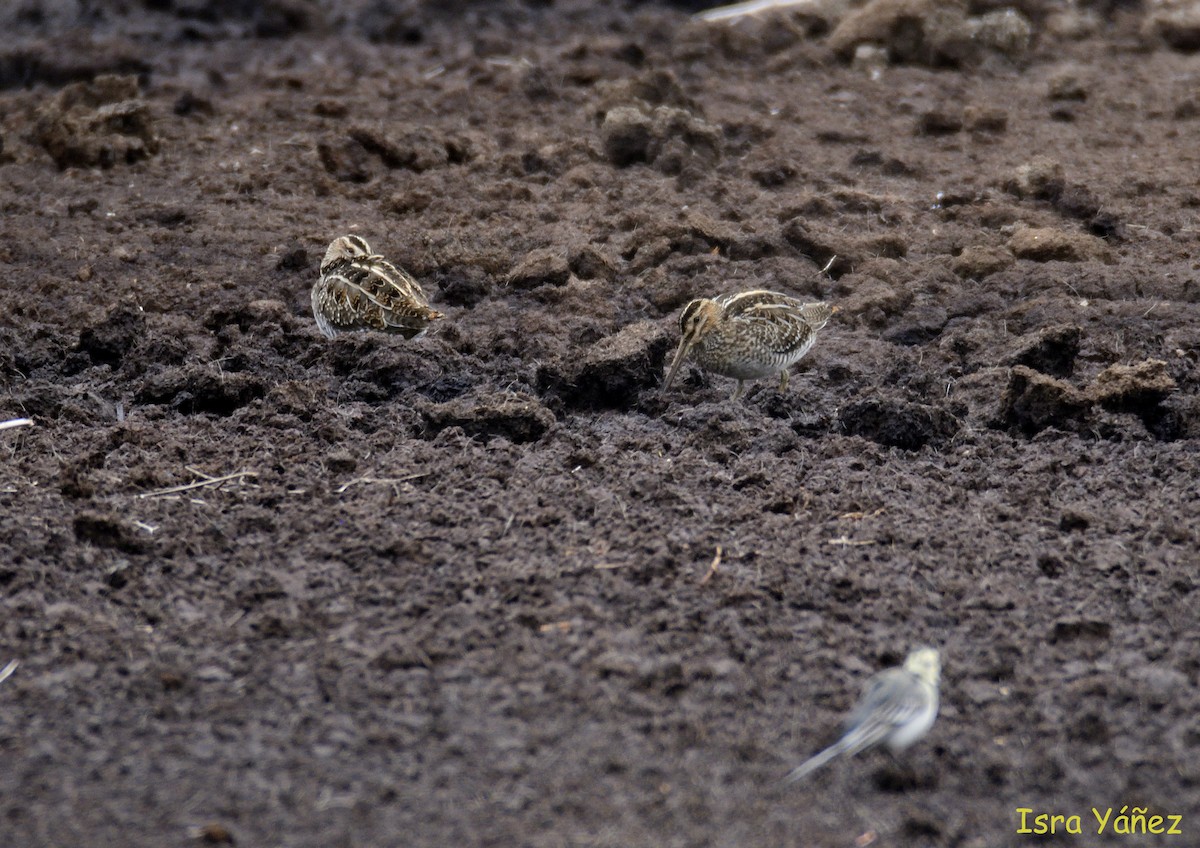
(360, 290)
(748, 335)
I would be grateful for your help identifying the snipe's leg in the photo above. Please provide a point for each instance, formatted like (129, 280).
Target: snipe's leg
(737, 391)
(783, 378)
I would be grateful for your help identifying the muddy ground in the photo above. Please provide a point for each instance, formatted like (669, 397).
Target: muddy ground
(491, 586)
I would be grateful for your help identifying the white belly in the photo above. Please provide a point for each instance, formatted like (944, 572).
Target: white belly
(909, 733)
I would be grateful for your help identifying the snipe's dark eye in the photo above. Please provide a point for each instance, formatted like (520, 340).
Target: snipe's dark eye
(688, 317)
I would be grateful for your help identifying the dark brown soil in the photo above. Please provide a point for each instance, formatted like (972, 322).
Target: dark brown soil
(460, 592)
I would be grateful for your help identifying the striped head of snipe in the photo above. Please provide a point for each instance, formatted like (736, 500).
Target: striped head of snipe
(698, 319)
(346, 249)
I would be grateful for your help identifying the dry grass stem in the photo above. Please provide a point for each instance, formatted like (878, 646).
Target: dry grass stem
(199, 484)
(856, 516)
(851, 543)
(712, 567)
(752, 7)
(388, 481)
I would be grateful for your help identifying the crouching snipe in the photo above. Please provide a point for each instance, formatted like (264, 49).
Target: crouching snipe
(360, 290)
(748, 335)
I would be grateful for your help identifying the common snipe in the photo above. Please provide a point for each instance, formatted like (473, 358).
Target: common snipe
(360, 290)
(897, 707)
(748, 335)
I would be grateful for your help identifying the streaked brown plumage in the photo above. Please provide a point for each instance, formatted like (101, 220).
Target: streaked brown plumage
(360, 290)
(748, 335)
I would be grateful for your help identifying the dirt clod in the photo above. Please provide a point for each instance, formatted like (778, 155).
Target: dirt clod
(980, 261)
(1066, 630)
(612, 372)
(1046, 244)
(1034, 401)
(107, 531)
(108, 341)
(1042, 178)
(100, 123)
(511, 415)
(1051, 350)
(543, 267)
(215, 834)
(1132, 388)
(1066, 84)
(1175, 23)
(905, 425)
(590, 263)
(1004, 31)
(346, 160)
(939, 122)
(418, 149)
(625, 135)
(823, 244)
(199, 389)
(667, 137)
(924, 32)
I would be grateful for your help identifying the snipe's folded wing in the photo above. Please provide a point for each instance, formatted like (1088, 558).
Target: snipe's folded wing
(377, 293)
(758, 299)
(386, 283)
